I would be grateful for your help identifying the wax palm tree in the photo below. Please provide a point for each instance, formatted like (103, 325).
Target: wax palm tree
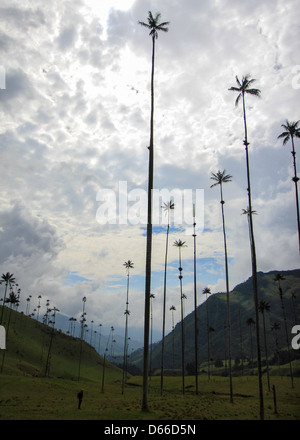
(195, 303)
(173, 309)
(206, 291)
(180, 244)
(291, 131)
(81, 333)
(278, 277)
(9, 280)
(167, 208)
(245, 88)
(220, 178)
(154, 26)
(39, 306)
(128, 265)
(48, 360)
(265, 307)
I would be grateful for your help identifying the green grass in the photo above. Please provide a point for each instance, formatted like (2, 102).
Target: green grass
(38, 398)
(26, 394)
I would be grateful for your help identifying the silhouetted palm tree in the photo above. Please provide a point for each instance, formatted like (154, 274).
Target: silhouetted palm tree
(292, 130)
(154, 26)
(206, 291)
(180, 244)
(195, 302)
(220, 178)
(278, 277)
(48, 360)
(81, 334)
(9, 280)
(265, 307)
(173, 309)
(167, 207)
(244, 87)
(39, 306)
(128, 265)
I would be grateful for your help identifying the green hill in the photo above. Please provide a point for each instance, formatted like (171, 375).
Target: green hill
(27, 352)
(241, 308)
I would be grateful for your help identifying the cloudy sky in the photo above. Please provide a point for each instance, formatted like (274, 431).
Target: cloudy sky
(75, 109)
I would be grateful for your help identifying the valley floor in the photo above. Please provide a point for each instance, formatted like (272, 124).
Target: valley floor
(36, 398)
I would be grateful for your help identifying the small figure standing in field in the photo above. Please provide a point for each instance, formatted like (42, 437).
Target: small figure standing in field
(80, 397)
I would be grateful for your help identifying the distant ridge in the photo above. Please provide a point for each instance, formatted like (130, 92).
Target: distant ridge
(242, 308)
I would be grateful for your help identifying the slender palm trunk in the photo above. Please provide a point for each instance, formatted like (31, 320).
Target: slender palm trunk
(254, 271)
(195, 307)
(148, 245)
(182, 322)
(125, 337)
(227, 298)
(208, 342)
(164, 314)
(295, 179)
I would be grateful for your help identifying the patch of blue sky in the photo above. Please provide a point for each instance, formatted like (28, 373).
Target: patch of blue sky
(72, 278)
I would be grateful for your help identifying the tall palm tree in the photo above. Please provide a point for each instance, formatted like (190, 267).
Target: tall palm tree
(128, 265)
(195, 303)
(180, 244)
(206, 291)
(39, 306)
(263, 307)
(220, 178)
(154, 26)
(278, 277)
(81, 334)
(292, 130)
(173, 309)
(48, 360)
(244, 88)
(167, 208)
(9, 280)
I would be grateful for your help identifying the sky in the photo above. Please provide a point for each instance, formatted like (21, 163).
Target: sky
(75, 112)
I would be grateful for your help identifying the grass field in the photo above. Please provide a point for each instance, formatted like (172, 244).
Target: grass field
(37, 398)
(27, 393)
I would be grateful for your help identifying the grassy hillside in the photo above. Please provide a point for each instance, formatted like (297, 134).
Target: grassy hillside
(241, 308)
(27, 350)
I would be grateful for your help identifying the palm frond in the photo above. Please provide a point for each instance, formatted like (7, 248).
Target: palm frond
(255, 92)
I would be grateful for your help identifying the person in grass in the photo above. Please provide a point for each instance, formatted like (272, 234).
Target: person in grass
(80, 397)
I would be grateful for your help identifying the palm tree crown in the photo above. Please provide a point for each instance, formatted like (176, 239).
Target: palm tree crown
(129, 265)
(244, 87)
(154, 25)
(291, 130)
(220, 177)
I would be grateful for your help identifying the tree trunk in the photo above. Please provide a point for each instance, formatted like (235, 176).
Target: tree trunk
(295, 180)
(227, 298)
(195, 307)
(148, 246)
(254, 272)
(164, 315)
